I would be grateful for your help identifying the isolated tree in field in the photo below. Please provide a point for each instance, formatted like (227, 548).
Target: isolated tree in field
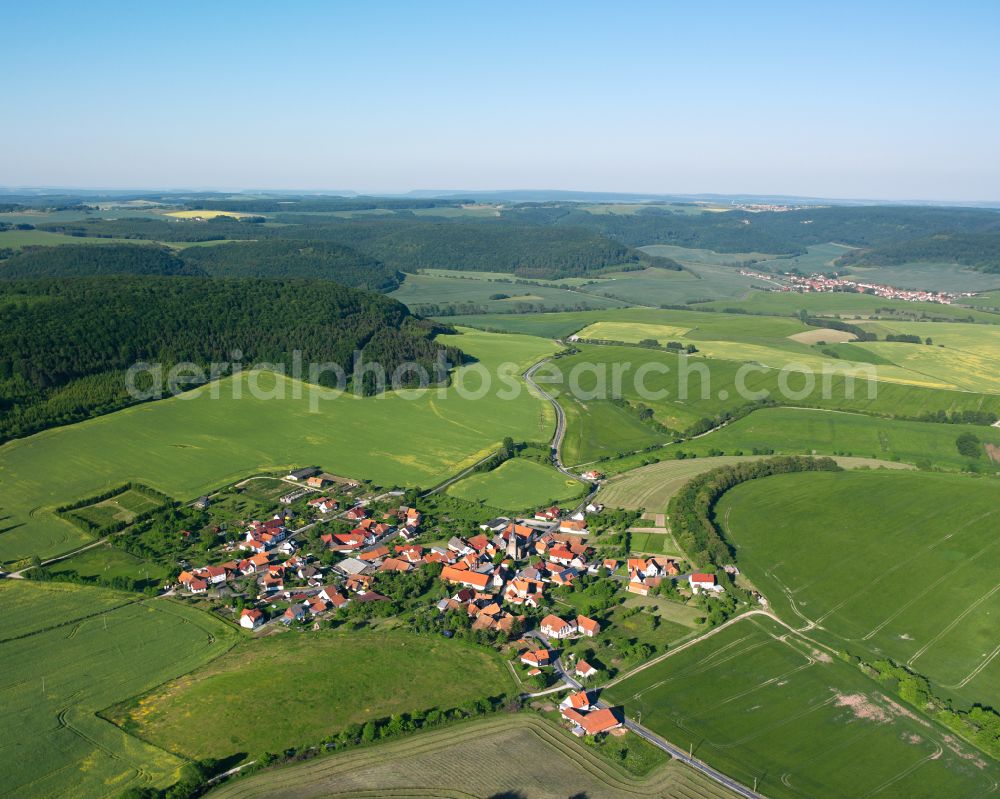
(968, 445)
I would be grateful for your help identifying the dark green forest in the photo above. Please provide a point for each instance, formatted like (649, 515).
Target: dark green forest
(274, 258)
(978, 250)
(257, 259)
(555, 240)
(65, 344)
(402, 243)
(91, 260)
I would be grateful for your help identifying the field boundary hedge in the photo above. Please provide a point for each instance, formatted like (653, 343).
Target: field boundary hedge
(691, 510)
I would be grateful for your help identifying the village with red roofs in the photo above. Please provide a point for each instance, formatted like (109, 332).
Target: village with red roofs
(543, 588)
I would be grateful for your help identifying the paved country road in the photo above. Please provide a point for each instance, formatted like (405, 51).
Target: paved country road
(557, 439)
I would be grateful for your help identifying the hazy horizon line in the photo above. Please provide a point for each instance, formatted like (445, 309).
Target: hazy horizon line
(427, 193)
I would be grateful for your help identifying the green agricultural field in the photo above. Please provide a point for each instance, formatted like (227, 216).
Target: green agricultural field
(761, 704)
(550, 764)
(187, 445)
(844, 304)
(505, 279)
(421, 291)
(802, 431)
(697, 256)
(105, 562)
(55, 679)
(928, 276)
(682, 390)
(632, 332)
(121, 508)
(968, 356)
(599, 428)
(767, 342)
(816, 258)
(650, 543)
(988, 300)
(29, 607)
(655, 286)
(516, 485)
(16, 239)
(651, 487)
(902, 565)
(701, 326)
(325, 682)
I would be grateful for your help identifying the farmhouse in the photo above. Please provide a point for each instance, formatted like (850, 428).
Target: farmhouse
(251, 619)
(323, 504)
(587, 627)
(578, 701)
(302, 474)
(702, 581)
(595, 722)
(576, 526)
(584, 670)
(540, 657)
(554, 627)
(465, 577)
(548, 514)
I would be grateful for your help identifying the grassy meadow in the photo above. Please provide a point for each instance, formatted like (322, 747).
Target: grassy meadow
(123, 507)
(516, 485)
(597, 428)
(105, 562)
(57, 676)
(186, 445)
(322, 682)
(550, 764)
(441, 289)
(761, 704)
(901, 565)
(655, 286)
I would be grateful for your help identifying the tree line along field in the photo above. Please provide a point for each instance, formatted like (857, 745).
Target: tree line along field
(901, 565)
(761, 703)
(79, 650)
(518, 484)
(323, 682)
(520, 755)
(185, 445)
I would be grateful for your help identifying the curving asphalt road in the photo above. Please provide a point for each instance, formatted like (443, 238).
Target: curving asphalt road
(557, 439)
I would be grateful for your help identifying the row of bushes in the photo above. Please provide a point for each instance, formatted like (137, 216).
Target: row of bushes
(980, 725)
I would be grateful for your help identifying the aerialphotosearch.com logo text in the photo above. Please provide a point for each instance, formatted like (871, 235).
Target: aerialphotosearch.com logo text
(683, 378)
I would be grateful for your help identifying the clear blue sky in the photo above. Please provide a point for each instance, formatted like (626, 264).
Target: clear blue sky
(871, 99)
